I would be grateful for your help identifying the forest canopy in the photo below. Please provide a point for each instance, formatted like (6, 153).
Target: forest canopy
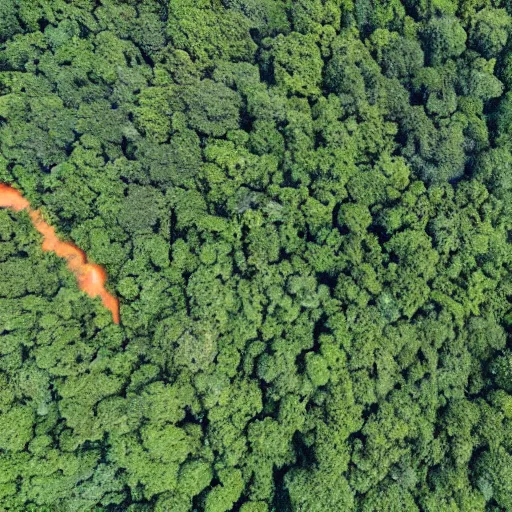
(305, 210)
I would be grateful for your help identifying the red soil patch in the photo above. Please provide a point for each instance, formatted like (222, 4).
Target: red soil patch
(91, 277)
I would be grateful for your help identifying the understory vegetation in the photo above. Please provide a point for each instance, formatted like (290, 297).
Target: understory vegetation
(305, 210)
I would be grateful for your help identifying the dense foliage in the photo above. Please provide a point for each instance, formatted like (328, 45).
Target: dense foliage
(305, 208)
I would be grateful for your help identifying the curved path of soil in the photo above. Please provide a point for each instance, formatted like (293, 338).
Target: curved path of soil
(91, 277)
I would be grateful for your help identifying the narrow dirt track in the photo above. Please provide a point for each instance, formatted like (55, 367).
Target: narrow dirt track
(91, 278)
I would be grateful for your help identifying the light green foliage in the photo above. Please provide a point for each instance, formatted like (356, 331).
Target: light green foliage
(355, 217)
(16, 428)
(209, 32)
(493, 474)
(445, 38)
(490, 31)
(296, 63)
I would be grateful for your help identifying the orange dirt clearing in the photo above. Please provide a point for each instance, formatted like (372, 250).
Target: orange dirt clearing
(91, 277)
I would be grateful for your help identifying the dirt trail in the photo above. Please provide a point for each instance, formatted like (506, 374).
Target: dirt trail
(91, 277)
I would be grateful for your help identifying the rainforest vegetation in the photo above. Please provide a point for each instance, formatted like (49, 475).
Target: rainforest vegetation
(304, 208)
